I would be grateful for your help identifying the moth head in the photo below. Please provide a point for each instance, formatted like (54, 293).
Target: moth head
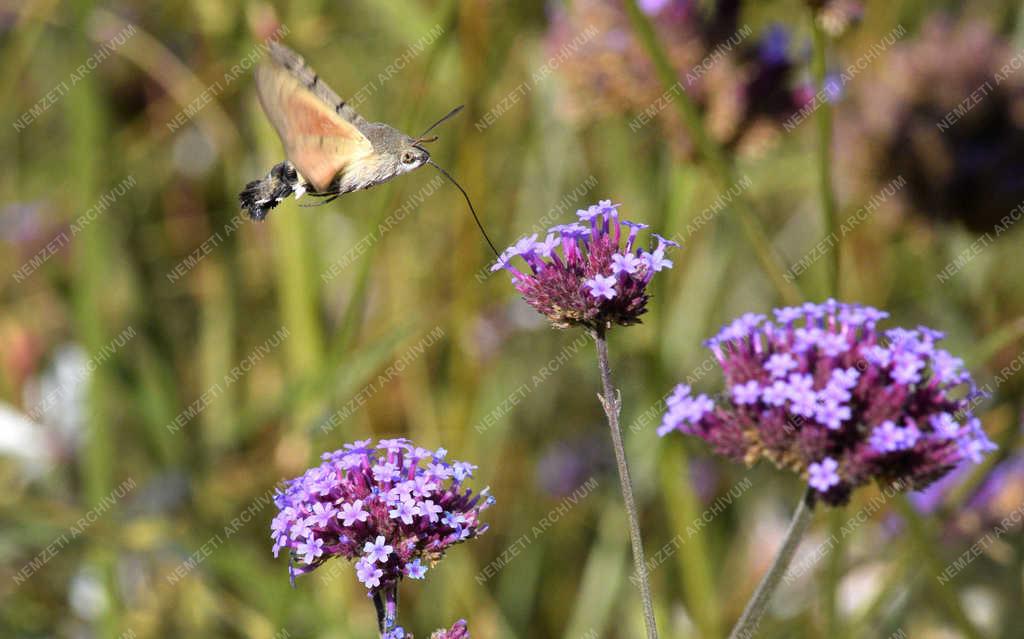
(412, 156)
(397, 151)
(410, 152)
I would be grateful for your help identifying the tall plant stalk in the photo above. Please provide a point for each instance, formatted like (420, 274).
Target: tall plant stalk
(823, 116)
(612, 403)
(386, 602)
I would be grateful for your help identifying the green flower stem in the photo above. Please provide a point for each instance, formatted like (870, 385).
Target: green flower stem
(714, 156)
(823, 116)
(612, 403)
(750, 620)
(833, 573)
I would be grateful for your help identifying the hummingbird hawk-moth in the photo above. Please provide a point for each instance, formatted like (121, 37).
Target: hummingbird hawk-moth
(331, 149)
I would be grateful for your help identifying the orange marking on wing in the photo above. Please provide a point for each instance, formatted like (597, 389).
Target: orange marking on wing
(308, 117)
(319, 168)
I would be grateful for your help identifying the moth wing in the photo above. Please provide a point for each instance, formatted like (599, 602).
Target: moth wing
(305, 74)
(318, 137)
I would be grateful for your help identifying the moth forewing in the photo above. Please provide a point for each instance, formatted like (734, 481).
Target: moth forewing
(317, 140)
(309, 78)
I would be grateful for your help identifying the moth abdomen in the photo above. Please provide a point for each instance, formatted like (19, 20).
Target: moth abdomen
(259, 196)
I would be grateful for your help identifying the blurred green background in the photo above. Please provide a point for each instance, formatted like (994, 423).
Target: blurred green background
(165, 363)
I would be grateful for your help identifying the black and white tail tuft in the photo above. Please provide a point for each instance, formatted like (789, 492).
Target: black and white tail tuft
(259, 196)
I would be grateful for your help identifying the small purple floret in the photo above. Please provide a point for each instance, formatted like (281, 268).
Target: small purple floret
(822, 475)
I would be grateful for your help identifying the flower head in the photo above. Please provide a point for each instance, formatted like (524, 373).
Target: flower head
(392, 508)
(824, 392)
(599, 277)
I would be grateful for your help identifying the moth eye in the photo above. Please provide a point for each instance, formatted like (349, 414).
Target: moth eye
(408, 158)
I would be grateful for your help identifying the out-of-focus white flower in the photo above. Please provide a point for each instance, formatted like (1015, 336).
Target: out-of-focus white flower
(25, 441)
(52, 425)
(87, 595)
(57, 397)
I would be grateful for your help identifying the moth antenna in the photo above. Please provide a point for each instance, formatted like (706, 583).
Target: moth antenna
(468, 201)
(447, 116)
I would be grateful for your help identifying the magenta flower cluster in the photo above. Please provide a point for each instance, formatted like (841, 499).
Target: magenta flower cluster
(589, 273)
(393, 508)
(822, 391)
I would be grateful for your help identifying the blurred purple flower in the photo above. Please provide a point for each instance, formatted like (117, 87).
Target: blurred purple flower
(833, 87)
(458, 631)
(942, 116)
(928, 500)
(998, 495)
(807, 93)
(600, 277)
(651, 7)
(745, 84)
(22, 223)
(379, 506)
(855, 405)
(774, 45)
(705, 478)
(566, 464)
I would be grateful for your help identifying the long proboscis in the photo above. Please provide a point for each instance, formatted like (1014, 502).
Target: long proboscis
(469, 202)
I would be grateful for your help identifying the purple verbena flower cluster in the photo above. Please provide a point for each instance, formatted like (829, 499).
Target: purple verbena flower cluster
(394, 508)
(595, 281)
(823, 392)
